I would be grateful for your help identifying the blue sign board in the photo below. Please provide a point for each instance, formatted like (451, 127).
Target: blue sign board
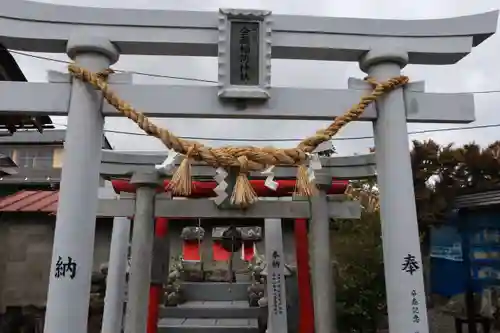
(482, 235)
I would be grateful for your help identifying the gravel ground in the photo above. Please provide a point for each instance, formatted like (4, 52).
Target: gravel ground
(442, 323)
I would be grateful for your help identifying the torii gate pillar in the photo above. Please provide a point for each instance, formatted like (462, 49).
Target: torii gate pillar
(72, 254)
(402, 258)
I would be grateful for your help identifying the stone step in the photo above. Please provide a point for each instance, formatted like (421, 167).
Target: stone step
(215, 291)
(222, 325)
(210, 309)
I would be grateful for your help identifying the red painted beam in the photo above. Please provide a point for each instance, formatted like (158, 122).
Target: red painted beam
(206, 189)
(306, 308)
(161, 231)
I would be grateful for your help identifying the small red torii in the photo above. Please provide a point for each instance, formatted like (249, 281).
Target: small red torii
(286, 187)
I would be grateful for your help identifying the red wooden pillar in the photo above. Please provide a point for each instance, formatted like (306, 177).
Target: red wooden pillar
(155, 290)
(306, 320)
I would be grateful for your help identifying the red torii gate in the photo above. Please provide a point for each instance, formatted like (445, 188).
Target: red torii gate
(203, 189)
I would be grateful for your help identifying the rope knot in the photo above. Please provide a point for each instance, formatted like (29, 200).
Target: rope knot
(388, 85)
(322, 136)
(105, 73)
(192, 151)
(243, 162)
(372, 81)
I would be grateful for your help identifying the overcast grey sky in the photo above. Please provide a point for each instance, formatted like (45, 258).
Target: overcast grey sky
(477, 72)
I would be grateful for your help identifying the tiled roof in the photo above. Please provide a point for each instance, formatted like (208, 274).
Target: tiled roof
(30, 201)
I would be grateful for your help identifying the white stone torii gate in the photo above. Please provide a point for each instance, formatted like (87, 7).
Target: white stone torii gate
(94, 37)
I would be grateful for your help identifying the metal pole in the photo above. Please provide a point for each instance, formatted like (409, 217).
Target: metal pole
(142, 251)
(116, 279)
(406, 300)
(470, 306)
(276, 289)
(322, 277)
(72, 255)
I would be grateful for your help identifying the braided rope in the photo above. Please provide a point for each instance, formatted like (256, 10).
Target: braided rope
(248, 158)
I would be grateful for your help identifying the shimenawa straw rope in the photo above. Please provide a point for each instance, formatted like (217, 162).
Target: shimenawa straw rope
(246, 159)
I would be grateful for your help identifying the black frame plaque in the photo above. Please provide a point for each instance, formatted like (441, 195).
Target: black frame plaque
(244, 54)
(244, 62)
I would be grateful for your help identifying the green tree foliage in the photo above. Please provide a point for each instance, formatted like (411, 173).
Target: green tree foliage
(327, 153)
(440, 173)
(361, 304)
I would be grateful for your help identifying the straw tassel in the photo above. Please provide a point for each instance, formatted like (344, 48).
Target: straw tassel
(305, 186)
(243, 194)
(181, 183)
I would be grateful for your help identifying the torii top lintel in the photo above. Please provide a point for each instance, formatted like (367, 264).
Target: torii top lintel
(192, 33)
